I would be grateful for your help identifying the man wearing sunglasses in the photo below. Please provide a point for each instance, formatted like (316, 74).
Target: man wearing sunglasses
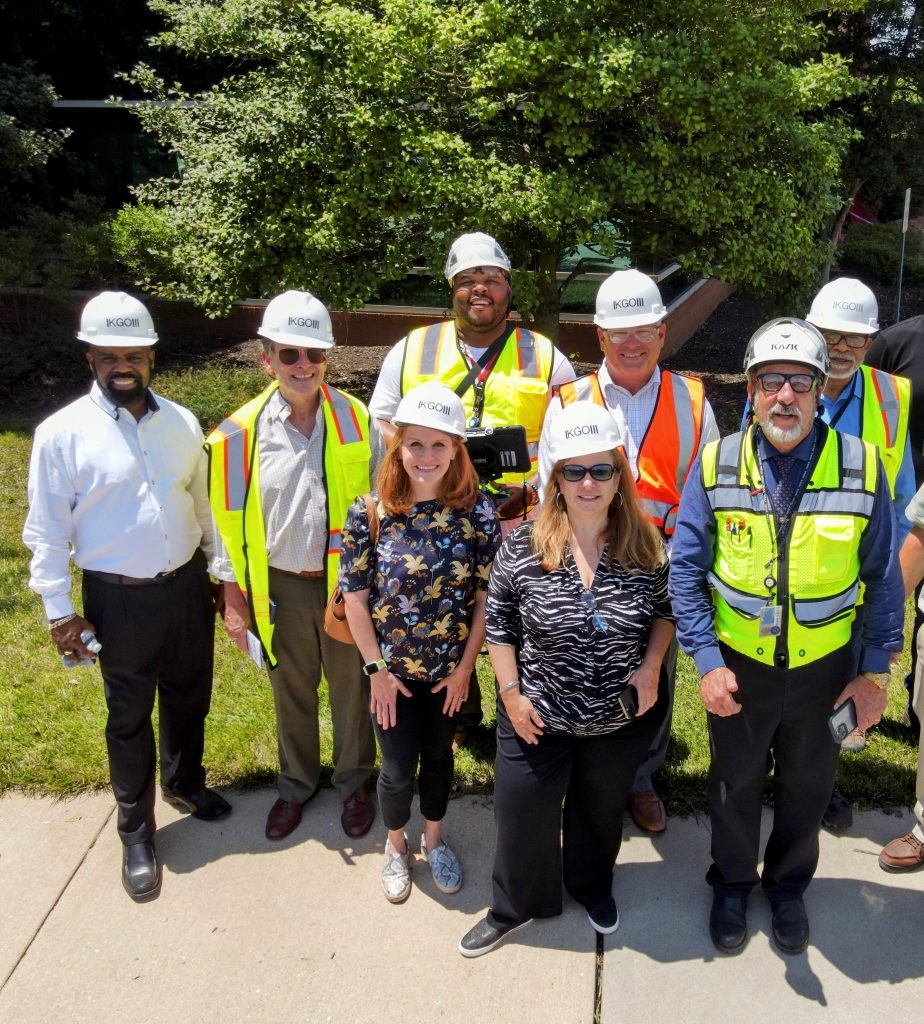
(665, 420)
(779, 526)
(284, 469)
(502, 372)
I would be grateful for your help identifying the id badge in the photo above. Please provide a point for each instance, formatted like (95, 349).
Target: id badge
(771, 619)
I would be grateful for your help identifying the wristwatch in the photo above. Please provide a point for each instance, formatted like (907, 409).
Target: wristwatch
(881, 679)
(370, 668)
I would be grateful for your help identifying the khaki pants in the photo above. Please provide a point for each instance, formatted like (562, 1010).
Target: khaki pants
(302, 649)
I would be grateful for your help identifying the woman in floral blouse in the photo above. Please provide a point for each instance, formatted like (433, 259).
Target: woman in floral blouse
(415, 605)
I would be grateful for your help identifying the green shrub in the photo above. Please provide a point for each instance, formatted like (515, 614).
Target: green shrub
(872, 252)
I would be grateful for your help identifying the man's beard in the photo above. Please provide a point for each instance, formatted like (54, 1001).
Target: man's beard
(123, 397)
(775, 433)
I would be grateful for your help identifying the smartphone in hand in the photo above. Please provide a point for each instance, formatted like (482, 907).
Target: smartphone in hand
(843, 720)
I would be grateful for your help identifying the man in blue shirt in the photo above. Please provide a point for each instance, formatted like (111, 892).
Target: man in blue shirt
(778, 527)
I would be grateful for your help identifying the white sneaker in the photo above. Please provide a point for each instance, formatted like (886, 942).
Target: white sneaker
(445, 867)
(396, 874)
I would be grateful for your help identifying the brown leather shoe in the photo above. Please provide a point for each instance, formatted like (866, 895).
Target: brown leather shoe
(283, 819)
(903, 854)
(358, 813)
(647, 810)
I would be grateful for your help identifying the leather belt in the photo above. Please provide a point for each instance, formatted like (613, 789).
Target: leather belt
(131, 581)
(306, 574)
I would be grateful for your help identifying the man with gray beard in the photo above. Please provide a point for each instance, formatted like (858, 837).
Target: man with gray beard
(779, 525)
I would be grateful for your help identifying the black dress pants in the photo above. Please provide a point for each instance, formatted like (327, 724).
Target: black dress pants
(157, 640)
(784, 711)
(421, 733)
(539, 845)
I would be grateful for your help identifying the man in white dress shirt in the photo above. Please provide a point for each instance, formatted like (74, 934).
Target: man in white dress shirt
(117, 483)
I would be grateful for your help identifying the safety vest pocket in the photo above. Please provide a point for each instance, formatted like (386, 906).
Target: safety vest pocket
(819, 611)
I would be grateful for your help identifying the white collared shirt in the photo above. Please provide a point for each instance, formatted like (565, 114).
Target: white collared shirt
(114, 494)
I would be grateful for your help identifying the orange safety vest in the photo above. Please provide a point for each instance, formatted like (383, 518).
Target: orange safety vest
(669, 446)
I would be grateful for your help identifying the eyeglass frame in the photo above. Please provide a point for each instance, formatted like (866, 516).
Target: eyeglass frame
(313, 355)
(862, 339)
(590, 606)
(647, 335)
(598, 466)
(787, 378)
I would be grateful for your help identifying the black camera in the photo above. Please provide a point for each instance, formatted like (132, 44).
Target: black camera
(495, 451)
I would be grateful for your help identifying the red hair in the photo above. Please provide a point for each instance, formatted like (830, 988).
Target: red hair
(457, 489)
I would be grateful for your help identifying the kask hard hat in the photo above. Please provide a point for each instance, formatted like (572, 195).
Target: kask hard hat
(628, 298)
(432, 405)
(845, 305)
(583, 428)
(297, 318)
(116, 319)
(474, 250)
(787, 340)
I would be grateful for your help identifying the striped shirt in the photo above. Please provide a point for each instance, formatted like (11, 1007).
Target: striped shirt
(572, 672)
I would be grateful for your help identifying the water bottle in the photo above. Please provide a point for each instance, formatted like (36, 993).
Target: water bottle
(77, 660)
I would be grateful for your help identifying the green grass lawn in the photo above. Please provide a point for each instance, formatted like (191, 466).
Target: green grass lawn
(52, 718)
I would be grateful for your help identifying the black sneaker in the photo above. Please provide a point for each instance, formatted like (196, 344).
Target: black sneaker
(205, 804)
(484, 937)
(604, 917)
(838, 814)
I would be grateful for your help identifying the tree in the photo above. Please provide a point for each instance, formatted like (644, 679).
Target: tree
(885, 48)
(356, 138)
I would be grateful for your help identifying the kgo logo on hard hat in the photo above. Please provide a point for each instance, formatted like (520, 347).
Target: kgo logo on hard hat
(435, 407)
(122, 321)
(856, 306)
(304, 321)
(586, 428)
(637, 303)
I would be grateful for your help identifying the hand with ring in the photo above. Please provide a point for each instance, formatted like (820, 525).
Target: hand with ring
(456, 687)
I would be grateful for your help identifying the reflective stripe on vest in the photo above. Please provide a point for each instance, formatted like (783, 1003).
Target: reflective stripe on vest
(816, 575)
(669, 446)
(886, 407)
(236, 450)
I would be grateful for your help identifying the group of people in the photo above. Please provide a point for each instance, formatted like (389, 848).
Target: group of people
(777, 551)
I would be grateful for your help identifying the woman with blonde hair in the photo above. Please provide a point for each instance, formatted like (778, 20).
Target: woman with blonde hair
(578, 620)
(415, 604)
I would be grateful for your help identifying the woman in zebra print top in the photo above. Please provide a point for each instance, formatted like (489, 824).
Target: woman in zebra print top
(578, 621)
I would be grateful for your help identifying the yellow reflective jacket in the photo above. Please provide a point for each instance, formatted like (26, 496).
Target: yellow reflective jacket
(516, 391)
(809, 568)
(234, 491)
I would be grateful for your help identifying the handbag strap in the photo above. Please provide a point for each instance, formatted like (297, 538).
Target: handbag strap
(372, 514)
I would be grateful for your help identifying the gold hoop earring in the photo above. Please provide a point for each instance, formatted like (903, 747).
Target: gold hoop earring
(559, 501)
(621, 502)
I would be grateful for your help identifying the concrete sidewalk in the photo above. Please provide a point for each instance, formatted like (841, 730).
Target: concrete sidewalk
(248, 930)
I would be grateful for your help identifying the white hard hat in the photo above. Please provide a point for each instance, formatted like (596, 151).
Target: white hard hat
(474, 250)
(787, 340)
(628, 298)
(582, 429)
(432, 405)
(297, 318)
(118, 320)
(845, 305)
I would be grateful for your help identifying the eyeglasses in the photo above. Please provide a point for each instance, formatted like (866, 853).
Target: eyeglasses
(853, 340)
(770, 383)
(601, 471)
(290, 356)
(644, 334)
(590, 604)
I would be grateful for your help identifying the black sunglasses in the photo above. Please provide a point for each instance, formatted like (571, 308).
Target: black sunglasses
(601, 471)
(290, 356)
(801, 383)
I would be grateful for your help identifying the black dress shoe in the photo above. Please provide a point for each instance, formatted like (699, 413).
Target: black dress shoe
(205, 804)
(728, 924)
(141, 873)
(790, 925)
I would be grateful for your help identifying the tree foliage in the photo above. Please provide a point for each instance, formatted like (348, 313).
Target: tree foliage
(354, 139)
